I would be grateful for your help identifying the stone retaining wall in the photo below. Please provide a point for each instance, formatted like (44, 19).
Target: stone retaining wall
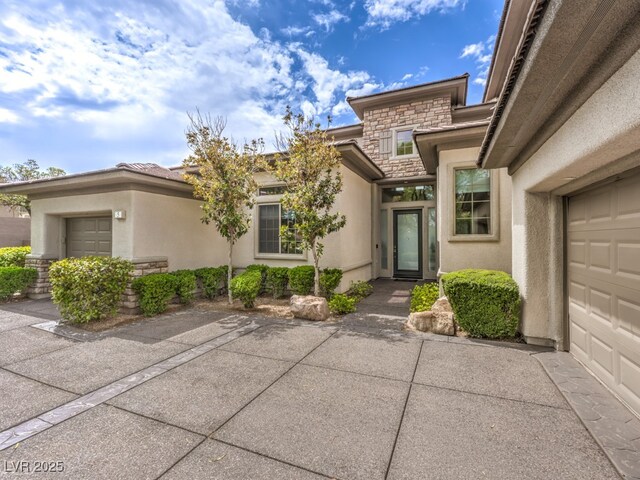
(42, 287)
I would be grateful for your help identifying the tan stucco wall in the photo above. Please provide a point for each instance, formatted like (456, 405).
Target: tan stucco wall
(48, 226)
(166, 226)
(599, 140)
(348, 249)
(459, 253)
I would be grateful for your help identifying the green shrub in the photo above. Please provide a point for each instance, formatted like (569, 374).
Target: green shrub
(329, 280)
(424, 296)
(155, 291)
(277, 280)
(301, 279)
(15, 280)
(212, 279)
(486, 303)
(360, 289)
(246, 287)
(88, 288)
(258, 267)
(342, 304)
(13, 256)
(186, 284)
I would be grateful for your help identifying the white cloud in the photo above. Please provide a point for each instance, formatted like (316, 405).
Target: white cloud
(383, 13)
(481, 53)
(293, 31)
(7, 116)
(328, 20)
(407, 76)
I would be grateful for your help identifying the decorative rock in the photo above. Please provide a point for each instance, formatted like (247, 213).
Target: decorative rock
(309, 307)
(421, 321)
(438, 320)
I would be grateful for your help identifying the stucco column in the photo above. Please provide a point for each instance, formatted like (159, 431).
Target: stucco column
(538, 263)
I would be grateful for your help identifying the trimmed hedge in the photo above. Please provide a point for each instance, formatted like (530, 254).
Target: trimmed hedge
(341, 304)
(360, 289)
(88, 288)
(486, 302)
(212, 279)
(424, 296)
(15, 280)
(277, 280)
(258, 267)
(185, 285)
(301, 279)
(246, 287)
(329, 280)
(13, 256)
(155, 291)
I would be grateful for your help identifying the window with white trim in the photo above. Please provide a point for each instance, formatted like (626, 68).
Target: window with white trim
(473, 202)
(271, 217)
(403, 143)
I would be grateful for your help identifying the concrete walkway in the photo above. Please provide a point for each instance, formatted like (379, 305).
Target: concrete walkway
(199, 394)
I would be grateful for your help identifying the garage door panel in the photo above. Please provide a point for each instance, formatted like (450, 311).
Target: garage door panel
(603, 260)
(89, 236)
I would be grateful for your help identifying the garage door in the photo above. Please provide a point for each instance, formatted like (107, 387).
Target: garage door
(604, 284)
(89, 236)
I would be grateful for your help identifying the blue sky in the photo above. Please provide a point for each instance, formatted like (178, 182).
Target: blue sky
(85, 85)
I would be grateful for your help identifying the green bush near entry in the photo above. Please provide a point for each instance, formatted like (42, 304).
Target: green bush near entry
(329, 280)
(88, 288)
(360, 289)
(486, 303)
(424, 296)
(15, 280)
(212, 279)
(185, 285)
(263, 271)
(155, 291)
(301, 279)
(13, 256)
(277, 280)
(246, 287)
(341, 304)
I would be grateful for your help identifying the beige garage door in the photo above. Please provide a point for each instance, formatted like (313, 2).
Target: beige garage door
(604, 284)
(89, 236)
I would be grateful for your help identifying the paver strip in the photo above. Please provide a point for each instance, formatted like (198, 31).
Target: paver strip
(53, 417)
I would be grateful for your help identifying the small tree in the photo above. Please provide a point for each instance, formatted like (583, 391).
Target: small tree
(224, 178)
(22, 172)
(310, 171)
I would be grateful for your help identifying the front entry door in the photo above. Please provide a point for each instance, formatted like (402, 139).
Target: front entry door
(407, 243)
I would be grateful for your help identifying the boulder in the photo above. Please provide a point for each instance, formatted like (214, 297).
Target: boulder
(421, 321)
(309, 307)
(438, 320)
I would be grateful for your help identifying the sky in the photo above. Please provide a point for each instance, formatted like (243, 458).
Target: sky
(85, 85)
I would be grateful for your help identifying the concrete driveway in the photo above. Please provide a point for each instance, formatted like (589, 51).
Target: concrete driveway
(197, 394)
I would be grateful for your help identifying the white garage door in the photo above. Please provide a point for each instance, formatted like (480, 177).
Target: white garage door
(604, 284)
(89, 236)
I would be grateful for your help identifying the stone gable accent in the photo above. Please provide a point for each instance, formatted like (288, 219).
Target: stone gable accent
(428, 113)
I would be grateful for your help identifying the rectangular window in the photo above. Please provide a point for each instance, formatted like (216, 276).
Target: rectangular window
(271, 217)
(404, 142)
(473, 202)
(278, 190)
(415, 193)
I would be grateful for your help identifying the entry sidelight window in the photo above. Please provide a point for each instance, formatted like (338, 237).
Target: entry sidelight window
(271, 217)
(473, 202)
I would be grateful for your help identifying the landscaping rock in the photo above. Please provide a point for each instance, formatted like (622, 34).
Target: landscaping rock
(421, 321)
(309, 307)
(438, 320)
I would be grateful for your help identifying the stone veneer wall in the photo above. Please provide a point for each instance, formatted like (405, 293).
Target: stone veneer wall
(42, 287)
(425, 113)
(130, 303)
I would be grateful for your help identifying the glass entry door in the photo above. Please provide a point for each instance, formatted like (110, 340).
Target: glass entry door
(407, 243)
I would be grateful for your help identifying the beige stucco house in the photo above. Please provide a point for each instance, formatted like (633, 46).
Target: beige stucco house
(566, 79)
(416, 204)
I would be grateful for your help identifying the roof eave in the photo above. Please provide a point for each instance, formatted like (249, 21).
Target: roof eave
(358, 162)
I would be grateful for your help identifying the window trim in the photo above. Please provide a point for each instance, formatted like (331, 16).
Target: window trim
(494, 200)
(270, 200)
(394, 142)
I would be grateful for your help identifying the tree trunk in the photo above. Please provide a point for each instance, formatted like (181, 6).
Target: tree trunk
(316, 276)
(230, 271)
